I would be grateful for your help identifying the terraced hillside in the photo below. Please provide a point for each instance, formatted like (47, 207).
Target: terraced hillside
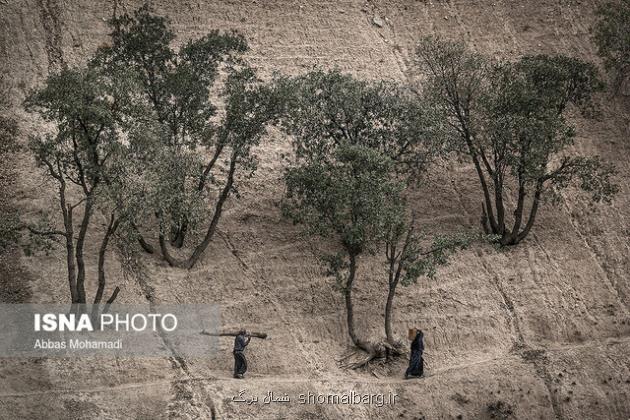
(541, 330)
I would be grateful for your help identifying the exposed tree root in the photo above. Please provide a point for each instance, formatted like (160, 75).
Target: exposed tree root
(368, 351)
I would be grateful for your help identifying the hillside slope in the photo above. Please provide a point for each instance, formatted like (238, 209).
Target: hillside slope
(543, 328)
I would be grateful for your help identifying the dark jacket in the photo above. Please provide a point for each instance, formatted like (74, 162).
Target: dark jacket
(417, 344)
(240, 342)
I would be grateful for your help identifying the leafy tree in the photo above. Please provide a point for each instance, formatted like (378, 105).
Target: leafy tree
(84, 155)
(198, 151)
(357, 200)
(352, 200)
(612, 37)
(358, 145)
(509, 118)
(328, 109)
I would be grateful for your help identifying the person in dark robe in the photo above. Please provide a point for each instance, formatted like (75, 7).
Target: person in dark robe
(416, 362)
(240, 362)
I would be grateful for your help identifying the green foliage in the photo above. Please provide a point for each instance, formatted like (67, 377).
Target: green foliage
(89, 110)
(352, 198)
(250, 105)
(548, 83)
(86, 153)
(192, 147)
(456, 79)
(612, 37)
(88, 150)
(525, 126)
(509, 118)
(595, 177)
(418, 261)
(328, 109)
(176, 85)
(411, 254)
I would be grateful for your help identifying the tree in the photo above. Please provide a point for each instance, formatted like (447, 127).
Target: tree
(250, 106)
(192, 137)
(325, 110)
(612, 37)
(358, 145)
(84, 155)
(509, 118)
(352, 200)
(357, 200)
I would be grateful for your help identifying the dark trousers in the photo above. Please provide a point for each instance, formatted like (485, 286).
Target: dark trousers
(416, 364)
(240, 363)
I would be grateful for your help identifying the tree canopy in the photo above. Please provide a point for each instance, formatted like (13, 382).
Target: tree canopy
(85, 154)
(353, 200)
(328, 109)
(510, 119)
(197, 147)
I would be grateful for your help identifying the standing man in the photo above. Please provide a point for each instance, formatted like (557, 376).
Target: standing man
(240, 362)
(416, 362)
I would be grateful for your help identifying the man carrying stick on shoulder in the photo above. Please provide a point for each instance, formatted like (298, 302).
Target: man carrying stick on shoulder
(240, 362)
(241, 340)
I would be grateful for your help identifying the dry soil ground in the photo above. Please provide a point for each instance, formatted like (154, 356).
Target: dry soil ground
(543, 328)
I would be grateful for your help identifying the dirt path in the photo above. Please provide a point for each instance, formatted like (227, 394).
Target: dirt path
(225, 376)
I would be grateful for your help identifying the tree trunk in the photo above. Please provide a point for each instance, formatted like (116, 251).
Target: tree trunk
(172, 261)
(72, 274)
(388, 313)
(204, 176)
(79, 250)
(498, 201)
(532, 215)
(396, 262)
(373, 349)
(350, 306)
(484, 186)
(462, 113)
(390, 252)
(200, 249)
(111, 229)
(147, 247)
(179, 234)
(468, 139)
(66, 211)
(510, 237)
